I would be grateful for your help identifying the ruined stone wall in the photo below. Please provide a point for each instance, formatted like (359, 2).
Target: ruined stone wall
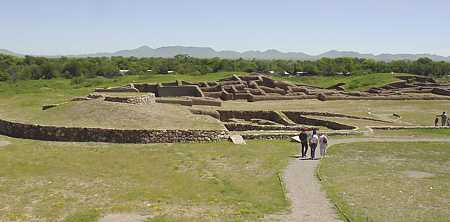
(280, 97)
(252, 127)
(179, 101)
(147, 99)
(146, 87)
(75, 134)
(273, 116)
(205, 101)
(439, 91)
(127, 88)
(299, 119)
(326, 114)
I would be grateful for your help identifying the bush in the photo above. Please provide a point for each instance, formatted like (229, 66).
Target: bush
(78, 80)
(4, 76)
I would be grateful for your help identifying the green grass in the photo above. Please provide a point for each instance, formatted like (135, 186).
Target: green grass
(389, 181)
(84, 216)
(428, 133)
(79, 181)
(355, 82)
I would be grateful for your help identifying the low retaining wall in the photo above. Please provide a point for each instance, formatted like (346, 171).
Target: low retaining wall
(299, 119)
(174, 91)
(439, 91)
(205, 101)
(252, 127)
(75, 134)
(326, 114)
(280, 97)
(127, 88)
(273, 116)
(183, 102)
(147, 99)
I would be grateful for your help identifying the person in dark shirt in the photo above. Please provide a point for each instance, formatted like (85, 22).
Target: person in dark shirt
(304, 141)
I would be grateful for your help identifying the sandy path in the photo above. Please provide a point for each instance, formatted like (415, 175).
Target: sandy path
(309, 202)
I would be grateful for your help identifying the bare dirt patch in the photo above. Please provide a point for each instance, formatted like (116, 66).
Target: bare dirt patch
(4, 143)
(128, 217)
(418, 174)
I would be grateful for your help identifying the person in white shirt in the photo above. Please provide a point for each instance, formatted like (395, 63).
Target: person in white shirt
(323, 140)
(313, 144)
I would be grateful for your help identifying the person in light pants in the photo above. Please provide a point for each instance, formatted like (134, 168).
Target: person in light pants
(323, 140)
(313, 141)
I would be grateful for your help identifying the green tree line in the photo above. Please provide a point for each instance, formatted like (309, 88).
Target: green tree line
(33, 67)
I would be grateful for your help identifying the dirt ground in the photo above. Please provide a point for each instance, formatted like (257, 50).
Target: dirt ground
(123, 218)
(4, 143)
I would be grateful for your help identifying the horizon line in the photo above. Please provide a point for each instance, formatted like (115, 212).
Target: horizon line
(220, 50)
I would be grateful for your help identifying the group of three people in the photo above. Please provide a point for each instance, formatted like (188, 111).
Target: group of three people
(313, 142)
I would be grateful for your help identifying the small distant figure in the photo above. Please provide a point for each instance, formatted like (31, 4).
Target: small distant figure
(444, 118)
(448, 122)
(436, 121)
(304, 141)
(323, 140)
(313, 141)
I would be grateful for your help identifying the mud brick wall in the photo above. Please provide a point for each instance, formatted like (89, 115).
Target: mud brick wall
(75, 134)
(145, 87)
(173, 91)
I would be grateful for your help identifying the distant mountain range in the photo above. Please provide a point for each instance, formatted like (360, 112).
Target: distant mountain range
(7, 52)
(206, 52)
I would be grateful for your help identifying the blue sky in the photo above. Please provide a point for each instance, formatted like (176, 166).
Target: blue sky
(84, 26)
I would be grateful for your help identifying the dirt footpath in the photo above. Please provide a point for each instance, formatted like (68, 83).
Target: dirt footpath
(309, 202)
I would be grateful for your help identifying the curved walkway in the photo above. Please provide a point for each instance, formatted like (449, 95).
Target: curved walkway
(308, 201)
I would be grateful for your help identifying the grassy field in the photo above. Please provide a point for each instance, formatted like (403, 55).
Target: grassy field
(428, 133)
(51, 181)
(389, 181)
(355, 82)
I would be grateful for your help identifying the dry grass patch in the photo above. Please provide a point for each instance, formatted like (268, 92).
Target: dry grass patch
(50, 181)
(395, 181)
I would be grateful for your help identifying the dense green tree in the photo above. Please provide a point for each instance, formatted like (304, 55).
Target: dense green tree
(31, 67)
